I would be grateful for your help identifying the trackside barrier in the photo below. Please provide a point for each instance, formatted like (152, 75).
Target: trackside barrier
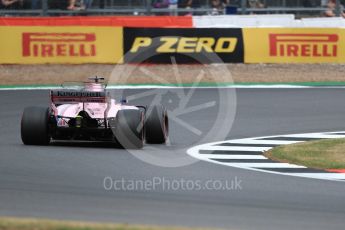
(265, 21)
(323, 22)
(100, 40)
(118, 21)
(243, 21)
(223, 21)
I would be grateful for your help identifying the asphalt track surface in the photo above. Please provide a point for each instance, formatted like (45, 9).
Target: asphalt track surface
(66, 181)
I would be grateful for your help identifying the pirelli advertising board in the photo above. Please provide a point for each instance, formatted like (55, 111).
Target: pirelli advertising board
(183, 45)
(68, 44)
(109, 44)
(294, 45)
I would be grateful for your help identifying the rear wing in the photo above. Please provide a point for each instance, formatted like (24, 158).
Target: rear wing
(73, 96)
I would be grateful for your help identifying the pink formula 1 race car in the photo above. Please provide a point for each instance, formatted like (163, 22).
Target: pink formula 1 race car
(90, 114)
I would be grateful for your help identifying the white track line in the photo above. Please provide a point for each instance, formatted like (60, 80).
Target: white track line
(260, 142)
(233, 157)
(264, 167)
(276, 86)
(327, 176)
(317, 135)
(163, 87)
(237, 148)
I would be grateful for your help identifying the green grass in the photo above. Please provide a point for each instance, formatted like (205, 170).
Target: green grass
(8, 223)
(322, 154)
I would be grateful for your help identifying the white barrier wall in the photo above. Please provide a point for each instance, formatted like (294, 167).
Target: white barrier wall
(323, 22)
(269, 20)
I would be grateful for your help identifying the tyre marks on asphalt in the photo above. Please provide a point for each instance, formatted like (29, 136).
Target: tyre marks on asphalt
(247, 153)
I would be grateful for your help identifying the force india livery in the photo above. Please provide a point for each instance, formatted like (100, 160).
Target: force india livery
(90, 114)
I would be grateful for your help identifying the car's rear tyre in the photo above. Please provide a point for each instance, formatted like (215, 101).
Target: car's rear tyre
(128, 128)
(35, 126)
(156, 125)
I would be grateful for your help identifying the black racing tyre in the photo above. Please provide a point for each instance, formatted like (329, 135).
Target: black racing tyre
(128, 128)
(35, 126)
(156, 125)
